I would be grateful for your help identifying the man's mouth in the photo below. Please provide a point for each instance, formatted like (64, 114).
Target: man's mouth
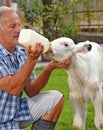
(16, 37)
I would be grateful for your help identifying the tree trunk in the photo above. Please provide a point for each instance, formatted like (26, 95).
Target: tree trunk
(47, 2)
(8, 3)
(45, 23)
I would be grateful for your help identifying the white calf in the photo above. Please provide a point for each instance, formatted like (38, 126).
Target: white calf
(85, 77)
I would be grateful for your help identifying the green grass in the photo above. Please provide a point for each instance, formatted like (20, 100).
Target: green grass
(58, 81)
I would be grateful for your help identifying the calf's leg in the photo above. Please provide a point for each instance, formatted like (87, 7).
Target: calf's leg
(79, 111)
(98, 108)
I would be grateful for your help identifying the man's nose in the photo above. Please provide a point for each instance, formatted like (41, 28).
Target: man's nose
(18, 28)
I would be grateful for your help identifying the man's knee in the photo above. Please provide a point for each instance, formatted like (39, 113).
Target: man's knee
(60, 104)
(54, 114)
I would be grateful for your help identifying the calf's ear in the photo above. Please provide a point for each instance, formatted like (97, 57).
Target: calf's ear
(85, 48)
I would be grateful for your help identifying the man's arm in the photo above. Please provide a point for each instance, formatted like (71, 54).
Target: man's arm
(34, 87)
(16, 83)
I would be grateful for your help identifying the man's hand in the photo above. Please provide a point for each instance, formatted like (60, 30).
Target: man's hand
(34, 51)
(62, 64)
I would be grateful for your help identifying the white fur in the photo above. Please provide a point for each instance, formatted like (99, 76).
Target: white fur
(85, 77)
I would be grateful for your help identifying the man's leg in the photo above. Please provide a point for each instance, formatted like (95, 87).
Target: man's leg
(48, 121)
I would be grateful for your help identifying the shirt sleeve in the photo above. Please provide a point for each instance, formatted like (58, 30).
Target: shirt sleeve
(9, 65)
(4, 69)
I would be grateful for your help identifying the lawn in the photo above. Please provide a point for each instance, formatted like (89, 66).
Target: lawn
(58, 81)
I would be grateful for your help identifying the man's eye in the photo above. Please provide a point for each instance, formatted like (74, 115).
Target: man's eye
(12, 26)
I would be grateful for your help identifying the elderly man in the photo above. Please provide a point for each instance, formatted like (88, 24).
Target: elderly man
(16, 75)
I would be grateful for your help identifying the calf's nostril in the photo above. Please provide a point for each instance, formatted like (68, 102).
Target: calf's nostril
(89, 47)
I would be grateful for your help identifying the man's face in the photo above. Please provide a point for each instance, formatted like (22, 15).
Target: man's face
(11, 29)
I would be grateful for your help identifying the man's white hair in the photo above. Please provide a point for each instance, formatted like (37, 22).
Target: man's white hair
(4, 9)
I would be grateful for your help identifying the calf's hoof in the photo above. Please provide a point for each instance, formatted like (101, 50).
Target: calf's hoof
(76, 128)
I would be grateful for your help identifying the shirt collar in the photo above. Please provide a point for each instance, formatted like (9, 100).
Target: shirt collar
(5, 52)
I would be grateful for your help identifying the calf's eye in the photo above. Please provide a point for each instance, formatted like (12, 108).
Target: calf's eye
(66, 44)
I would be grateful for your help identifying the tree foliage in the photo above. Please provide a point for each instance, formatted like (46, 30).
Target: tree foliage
(53, 16)
(33, 10)
(56, 24)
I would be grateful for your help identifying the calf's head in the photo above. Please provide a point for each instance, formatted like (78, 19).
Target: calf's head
(64, 47)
